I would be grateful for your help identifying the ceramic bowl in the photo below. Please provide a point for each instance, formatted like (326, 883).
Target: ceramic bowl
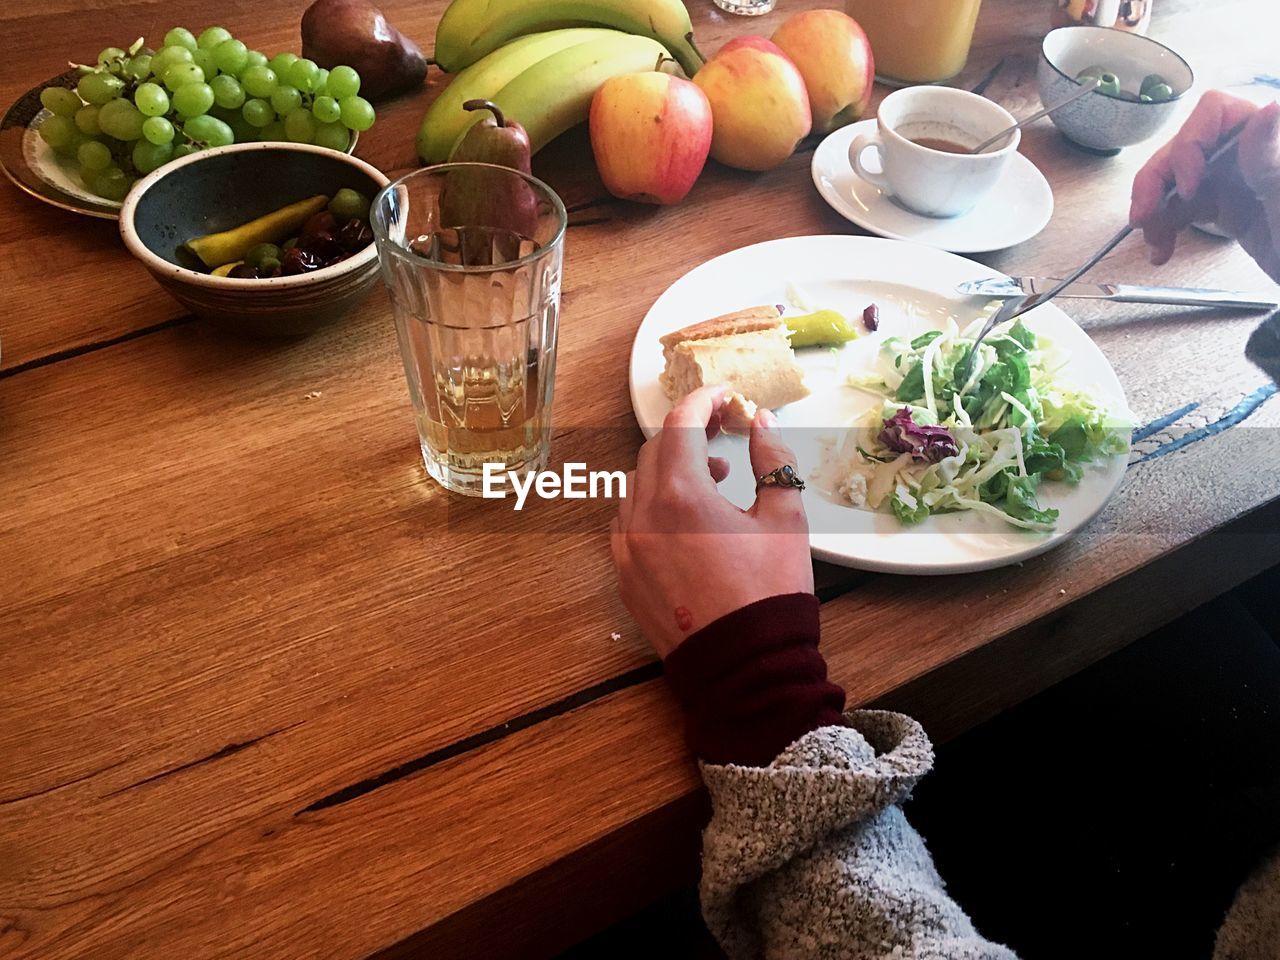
(226, 186)
(1099, 121)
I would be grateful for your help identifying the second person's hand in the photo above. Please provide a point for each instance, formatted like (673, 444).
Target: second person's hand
(1241, 193)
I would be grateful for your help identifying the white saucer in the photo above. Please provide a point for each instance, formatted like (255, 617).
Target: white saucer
(1016, 209)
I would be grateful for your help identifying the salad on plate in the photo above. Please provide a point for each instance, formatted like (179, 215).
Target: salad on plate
(940, 441)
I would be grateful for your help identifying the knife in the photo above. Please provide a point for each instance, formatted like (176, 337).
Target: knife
(1003, 287)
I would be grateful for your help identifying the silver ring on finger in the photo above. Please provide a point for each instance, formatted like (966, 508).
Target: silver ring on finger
(783, 476)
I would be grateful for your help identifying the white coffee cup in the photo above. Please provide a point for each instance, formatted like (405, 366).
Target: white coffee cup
(936, 183)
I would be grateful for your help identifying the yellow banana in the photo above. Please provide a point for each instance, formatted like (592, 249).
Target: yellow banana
(445, 119)
(555, 93)
(470, 29)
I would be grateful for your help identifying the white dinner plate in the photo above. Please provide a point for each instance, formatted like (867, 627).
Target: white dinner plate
(914, 288)
(1016, 209)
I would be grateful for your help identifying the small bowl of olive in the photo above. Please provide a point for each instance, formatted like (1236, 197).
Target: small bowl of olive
(1138, 84)
(271, 238)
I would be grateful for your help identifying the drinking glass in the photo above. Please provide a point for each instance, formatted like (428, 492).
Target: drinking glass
(917, 41)
(471, 254)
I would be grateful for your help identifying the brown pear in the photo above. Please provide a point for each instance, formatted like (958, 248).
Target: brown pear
(503, 204)
(355, 33)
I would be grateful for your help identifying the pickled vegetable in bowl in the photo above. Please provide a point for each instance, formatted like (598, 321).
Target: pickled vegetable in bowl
(1153, 87)
(304, 236)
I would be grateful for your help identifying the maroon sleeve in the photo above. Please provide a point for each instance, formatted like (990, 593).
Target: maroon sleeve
(753, 682)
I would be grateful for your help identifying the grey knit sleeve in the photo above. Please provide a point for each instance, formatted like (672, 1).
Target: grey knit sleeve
(810, 857)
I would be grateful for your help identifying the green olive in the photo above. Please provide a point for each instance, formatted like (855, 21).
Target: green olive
(822, 327)
(1158, 92)
(1108, 82)
(262, 252)
(348, 204)
(1149, 81)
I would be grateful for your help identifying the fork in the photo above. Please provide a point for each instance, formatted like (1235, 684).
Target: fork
(1016, 306)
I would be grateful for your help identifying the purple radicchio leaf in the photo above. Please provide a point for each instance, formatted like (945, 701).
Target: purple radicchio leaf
(927, 443)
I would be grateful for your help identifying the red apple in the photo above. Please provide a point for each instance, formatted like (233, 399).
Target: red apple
(759, 103)
(650, 133)
(833, 55)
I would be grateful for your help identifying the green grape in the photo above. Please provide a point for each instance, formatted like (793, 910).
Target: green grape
(87, 120)
(121, 119)
(180, 37)
(151, 99)
(258, 81)
(240, 128)
(147, 156)
(209, 130)
(357, 113)
(110, 53)
(73, 145)
(281, 62)
(140, 67)
(300, 126)
(90, 179)
(198, 127)
(230, 56)
(184, 150)
(222, 135)
(326, 109)
(255, 58)
(285, 99)
(334, 136)
(302, 74)
(61, 101)
(273, 131)
(157, 130)
(212, 36)
(204, 60)
(342, 82)
(193, 99)
(258, 113)
(93, 155)
(181, 74)
(57, 131)
(227, 91)
(98, 88)
(168, 57)
(111, 183)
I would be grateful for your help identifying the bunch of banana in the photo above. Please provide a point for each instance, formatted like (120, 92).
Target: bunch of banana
(471, 29)
(544, 81)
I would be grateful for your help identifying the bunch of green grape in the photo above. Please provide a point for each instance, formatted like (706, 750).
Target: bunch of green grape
(137, 109)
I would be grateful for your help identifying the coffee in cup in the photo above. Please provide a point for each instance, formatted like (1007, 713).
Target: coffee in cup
(923, 135)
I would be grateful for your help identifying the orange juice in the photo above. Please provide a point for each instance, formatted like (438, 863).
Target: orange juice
(917, 41)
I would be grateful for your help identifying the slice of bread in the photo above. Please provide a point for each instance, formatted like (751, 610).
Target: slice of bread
(748, 351)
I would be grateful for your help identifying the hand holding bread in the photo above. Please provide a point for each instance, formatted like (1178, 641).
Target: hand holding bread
(677, 571)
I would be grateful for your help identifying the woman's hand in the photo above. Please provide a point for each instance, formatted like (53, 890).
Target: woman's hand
(686, 556)
(1241, 193)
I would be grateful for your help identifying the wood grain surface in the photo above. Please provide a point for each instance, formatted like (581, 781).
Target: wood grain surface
(268, 692)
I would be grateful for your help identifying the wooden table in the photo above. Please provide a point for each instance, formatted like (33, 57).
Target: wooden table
(267, 692)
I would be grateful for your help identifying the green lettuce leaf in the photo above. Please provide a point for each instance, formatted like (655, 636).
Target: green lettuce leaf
(1020, 501)
(906, 514)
